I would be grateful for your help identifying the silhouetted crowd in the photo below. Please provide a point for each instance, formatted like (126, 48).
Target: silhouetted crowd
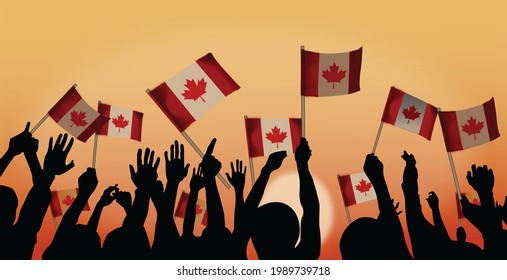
(273, 228)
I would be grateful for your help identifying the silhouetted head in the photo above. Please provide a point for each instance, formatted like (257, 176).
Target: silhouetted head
(126, 243)
(217, 243)
(461, 235)
(8, 206)
(363, 240)
(275, 231)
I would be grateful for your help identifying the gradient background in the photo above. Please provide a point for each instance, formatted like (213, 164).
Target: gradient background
(450, 54)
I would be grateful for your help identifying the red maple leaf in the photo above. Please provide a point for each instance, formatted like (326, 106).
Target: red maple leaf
(120, 122)
(195, 90)
(473, 127)
(275, 136)
(68, 200)
(411, 113)
(476, 201)
(78, 119)
(363, 186)
(198, 209)
(333, 75)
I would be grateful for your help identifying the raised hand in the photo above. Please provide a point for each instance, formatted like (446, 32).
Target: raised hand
(210, 165)
(56, 156)
(124, 199)
(18, 143)
(303, 152)
(146, 171)
(481, 179)
(503, 210)
(275, 160)
(432, 200)
(88, 182)
(197, 180)
(373, 167)
(108, 197)
(175, 167)
(237, 179)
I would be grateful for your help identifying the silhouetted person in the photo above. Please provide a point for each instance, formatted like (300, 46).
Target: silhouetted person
(17, 240)
(130, 241)
(376, 239)
(240, 234)
(275, 226)
(166, 244)
(485, 217)
(74, 241)
(216, 237)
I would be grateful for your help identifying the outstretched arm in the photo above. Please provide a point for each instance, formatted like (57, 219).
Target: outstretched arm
(16, 147)
(106, 199)
(196, 184)
(437, 218)
(210, 168)
(237, 180)
(309, 246)
(145, 178)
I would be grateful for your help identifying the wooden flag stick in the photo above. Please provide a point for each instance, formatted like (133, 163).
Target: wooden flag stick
(348, 214)
(55, 223)
(201, 154)
(303, 111)
(39, 123)
(95, 141)
(250, 160)
(378, 137)
(456, 182)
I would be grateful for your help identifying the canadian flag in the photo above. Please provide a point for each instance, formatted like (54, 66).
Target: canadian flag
(201, 211)
(192, 92)
(123, 123)
(356, 188)
(470, 127)
(473, 198)
(330, 74)
(61, 201)
(407, 112)
(265, 136)
(74, 115)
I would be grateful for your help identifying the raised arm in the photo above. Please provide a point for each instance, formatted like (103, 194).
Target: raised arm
(309, 246)
(196, 184)
(17, 144)
(437, 217)
(210, 168)
(106, 199)
(237, 180)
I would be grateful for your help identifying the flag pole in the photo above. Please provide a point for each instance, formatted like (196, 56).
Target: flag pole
(378, 136)
(95, 143)
(55, 223)
(39, 123)
(303, 110)
(250, 160)
(348, 214)
(201, 154)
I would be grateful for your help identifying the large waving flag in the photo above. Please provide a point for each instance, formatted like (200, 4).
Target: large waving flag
(192, 92)
(201, 211)
(265, 136)
(470, 127)
(61, 201)
(123, 123)
(330, 74)
(74, 115)
(356, 188)
(410, 113)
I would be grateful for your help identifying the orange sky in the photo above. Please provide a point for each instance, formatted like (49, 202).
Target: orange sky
(450, 54)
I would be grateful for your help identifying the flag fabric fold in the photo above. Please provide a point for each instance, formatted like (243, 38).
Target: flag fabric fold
(61, 200)
(409, 113)
(330, 74)
(201, 211)
(74, 115)
(470, 127)
(356, 188)
(123, 123)
(193, 91)
(265, 136)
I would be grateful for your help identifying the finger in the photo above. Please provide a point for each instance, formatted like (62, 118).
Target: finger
(166, 158)
(232, 167)
(151, 158)
(193, 172)
(27, 127)
(50, 146)
(199, 169)
(139, 156)
(211, 146)
(182, 152)
(244, 170)
(469, 175)
(157, 162)
(58, 139)
(69, 146)
(68, 167)
(176, 150)
(132, 171)
(146, 155)
(228, 177)
(186, 168)
(474, 168)
(64, 140)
